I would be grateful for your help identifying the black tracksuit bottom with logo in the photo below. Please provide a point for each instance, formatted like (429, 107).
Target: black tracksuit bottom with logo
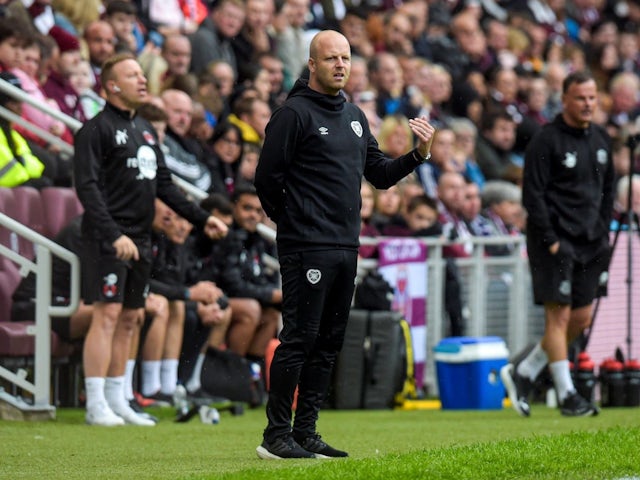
(317, 292)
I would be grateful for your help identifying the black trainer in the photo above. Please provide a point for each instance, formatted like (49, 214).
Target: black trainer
(518, 388)
(281, 448)
(576, 406)
(316, 445)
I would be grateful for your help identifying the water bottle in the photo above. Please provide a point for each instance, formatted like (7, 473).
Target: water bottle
(585, 377)
(180, 400)
(632, 383)
(209, 415)
(612, 383)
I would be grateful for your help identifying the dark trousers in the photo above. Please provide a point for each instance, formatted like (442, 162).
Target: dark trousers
(195, 336)
(317, 292)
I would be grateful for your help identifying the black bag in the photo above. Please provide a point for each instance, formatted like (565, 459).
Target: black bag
(227, 375)
(374, 370)
(373, 293)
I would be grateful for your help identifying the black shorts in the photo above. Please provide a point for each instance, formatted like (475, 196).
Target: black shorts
(105, 278)
(562, 279)
(26, 311)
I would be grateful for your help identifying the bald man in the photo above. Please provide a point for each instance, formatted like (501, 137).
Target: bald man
(316, 151)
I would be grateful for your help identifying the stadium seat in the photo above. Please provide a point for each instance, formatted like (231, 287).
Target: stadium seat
(61, 205)
(29, 212)
(8, 207)
(9, 280)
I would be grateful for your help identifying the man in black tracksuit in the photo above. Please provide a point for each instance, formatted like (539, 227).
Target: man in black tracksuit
(568, 194)
(316, 150)
(119, 171)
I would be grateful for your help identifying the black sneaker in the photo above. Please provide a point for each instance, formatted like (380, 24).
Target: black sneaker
(518, 388)
(281, 448)
(576, 406)
(136, 407)
(315, 444)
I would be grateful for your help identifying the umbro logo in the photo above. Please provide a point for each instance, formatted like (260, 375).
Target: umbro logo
(121, 137)
(323, 131)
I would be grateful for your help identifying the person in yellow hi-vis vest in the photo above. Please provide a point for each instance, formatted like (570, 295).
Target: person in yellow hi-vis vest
(18, 165)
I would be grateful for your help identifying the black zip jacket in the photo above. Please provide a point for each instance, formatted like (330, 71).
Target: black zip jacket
(316, 150)
(568, 185)
(118, 172)
(239, 268)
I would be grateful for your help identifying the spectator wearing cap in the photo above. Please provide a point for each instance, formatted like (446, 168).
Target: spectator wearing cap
(18, 166)
(58, 87)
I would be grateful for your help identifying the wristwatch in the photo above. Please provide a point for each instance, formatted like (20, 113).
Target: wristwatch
(427, 157)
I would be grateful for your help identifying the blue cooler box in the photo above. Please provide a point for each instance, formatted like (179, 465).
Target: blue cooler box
(468, 370)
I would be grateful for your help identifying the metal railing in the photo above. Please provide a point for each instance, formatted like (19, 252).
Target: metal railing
(44, 248)
(513, 317)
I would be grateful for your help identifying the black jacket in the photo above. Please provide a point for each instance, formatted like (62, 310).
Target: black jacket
(238, 266)
(119, 170)
(568, 186)
(316, 150)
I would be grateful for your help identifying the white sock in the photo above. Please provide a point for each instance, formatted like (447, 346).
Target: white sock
(114, 393)
(150, 377)
(94, 389)
(128, 379)
(168, 375)
(533, 364)
(562, 379)
(194, 382)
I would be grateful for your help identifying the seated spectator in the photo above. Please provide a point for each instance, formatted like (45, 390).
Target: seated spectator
(253, 288)
(18, 165)
(442, 157)
(224, 162)
(100, 40)
(28, 70)
(251, 115)
(82, 80)
(395, 137)
(420, 219)
(472, 206)
(502, 207)
(248, 163)
(196, 316)
(174, 60)
(466, 134)
(184, 156)
(121, 15)
(494, 147)
(367, 229)
(10, 41)
(387, 207)
(58, 85)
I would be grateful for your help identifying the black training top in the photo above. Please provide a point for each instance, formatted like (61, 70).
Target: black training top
(119, 170)
(316, 150)
(568, 184)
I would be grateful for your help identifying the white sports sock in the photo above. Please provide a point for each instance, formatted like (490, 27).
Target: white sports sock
(114, 393)
(168, 375)
(150, 377)
(128, 379)
(194, 382)
(94, 389)
(562, 379)
(533, 364)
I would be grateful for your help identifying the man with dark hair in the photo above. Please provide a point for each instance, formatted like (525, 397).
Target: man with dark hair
(121, 173)
(316, 151)
(568, 194)
(494, 146)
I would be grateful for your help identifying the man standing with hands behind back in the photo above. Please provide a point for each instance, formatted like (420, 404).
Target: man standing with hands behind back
(316, 150)
(119, 173)
(568, 194)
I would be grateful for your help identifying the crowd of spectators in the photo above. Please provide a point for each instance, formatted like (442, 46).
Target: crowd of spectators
(487, 73)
